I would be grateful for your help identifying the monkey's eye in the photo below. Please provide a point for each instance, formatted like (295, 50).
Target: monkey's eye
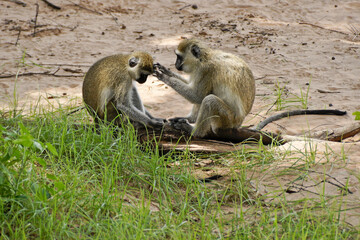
(133, 62)
(195, 50)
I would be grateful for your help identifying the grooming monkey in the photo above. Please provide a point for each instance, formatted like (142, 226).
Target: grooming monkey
(109, 89)
(221, 87)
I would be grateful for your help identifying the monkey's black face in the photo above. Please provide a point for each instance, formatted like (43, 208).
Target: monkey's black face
(142, 78)
(179, 62)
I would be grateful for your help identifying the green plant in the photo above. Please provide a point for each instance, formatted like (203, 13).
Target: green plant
(357, 115)
(280, 100)
(285, 100)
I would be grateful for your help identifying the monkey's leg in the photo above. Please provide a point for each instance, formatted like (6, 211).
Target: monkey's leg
(194, 113)
(214, 114)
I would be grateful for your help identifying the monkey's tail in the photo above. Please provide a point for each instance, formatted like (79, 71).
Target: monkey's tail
(268, 120)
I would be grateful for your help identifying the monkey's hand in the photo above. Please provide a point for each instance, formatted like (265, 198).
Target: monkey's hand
(160, 120)
(157, 123)
(182, 124)
(164, 70)
(161, 76)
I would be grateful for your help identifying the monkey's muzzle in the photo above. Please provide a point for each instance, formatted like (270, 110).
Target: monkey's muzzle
(142, 78)
(179, 63)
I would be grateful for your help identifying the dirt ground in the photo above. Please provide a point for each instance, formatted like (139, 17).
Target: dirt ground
(300, 48)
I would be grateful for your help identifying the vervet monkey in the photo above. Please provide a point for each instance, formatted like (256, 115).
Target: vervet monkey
(109, 89)
(221, 87)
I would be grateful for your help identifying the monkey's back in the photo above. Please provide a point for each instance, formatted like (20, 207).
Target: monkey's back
(233, 75)
(100, 83)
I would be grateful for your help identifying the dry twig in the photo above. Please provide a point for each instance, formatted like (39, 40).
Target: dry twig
(36, 15)
(338, 134)
(41, 73)
(52, 5)
(18, 37)
(317, 26)
(18, 2)
(85, 8)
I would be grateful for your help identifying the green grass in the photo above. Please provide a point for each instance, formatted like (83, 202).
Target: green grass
(285, 100)
(59, 180)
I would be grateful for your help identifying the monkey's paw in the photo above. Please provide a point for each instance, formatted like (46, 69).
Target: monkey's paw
(157, 122)
(178, 119)
(159, 75)
(163, 120)
(163, 69)
(181, 124)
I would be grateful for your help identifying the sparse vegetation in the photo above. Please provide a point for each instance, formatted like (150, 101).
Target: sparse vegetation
(357, 115)
(285, 99)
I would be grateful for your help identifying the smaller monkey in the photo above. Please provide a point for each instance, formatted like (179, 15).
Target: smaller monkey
(221, 87)
(109, 89)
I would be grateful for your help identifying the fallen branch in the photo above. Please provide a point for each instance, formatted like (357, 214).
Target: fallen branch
(317, 26)
(54, 30)
(338, 134)
(64, 64)
(40, 73)
(85, 8)
(52, 5)
(168, 139)
(18, 2)
(325, 91)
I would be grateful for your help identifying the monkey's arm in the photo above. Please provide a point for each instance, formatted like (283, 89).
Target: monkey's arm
(184, 89)
(268, 120)
(136, 101)
(136, 115)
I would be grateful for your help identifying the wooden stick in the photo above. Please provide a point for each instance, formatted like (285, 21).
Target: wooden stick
(36, 15)
(317, 26)
(64, 64)
(52, 5)
(40, 73)
(326, 91)
(338, 134)
(18, 37)
(168, 138)
(18, 2)
(85, 8)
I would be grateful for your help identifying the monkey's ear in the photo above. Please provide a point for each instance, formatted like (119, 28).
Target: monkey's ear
(195, 50)
(133, 61)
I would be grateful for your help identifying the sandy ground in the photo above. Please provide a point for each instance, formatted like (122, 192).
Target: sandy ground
(290, 45)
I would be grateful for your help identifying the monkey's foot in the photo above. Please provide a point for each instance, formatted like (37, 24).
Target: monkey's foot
(182, 124)
(178, 119)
